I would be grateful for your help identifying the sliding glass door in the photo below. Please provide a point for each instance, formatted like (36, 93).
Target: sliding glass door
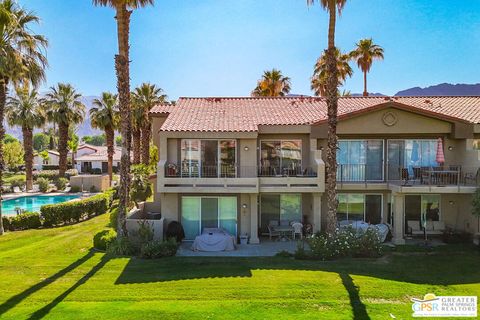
(199, 213)
(208, 158)
(280, 209)
(280, 157)
(360, 160)
(360, 207)
(410, 154)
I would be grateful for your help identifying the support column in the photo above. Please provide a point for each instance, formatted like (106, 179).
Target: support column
(317, 211)
(398, 220)
(254, 219)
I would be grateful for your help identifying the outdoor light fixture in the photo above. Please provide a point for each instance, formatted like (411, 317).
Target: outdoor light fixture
(244, 206)
(450, 148)
(245, 148)
(451, 202)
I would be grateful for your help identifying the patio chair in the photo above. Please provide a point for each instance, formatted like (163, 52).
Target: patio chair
(472, 177)
(405, 176)
(35, 188)
(297, 229)
(17, 190)
(271, 229)
(67, 189)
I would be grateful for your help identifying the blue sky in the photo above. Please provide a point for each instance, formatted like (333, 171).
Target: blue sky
(221, 47)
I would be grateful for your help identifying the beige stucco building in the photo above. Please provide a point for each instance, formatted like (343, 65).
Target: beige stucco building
(245, 163)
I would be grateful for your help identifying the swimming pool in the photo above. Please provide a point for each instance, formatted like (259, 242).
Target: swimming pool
(32, 203)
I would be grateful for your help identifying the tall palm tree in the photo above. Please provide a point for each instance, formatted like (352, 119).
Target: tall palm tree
(145, 97)
(26, 111)
(65, 109)
(272, 84)
(105, 116)
(331, 6)
(320, 74)
(137, 122)
(123, 9)
(22, 58)
(365, 52)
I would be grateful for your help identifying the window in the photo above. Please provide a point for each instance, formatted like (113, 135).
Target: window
(279, 156)
(410, 154)
(360, 160)
(429, 204)
(280, 208)
(208, 158)
(476, 144)
(208, 212)
(360, 207)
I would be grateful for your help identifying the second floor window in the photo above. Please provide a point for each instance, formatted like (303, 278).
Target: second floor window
(360, 160)
(280, 157)
(208, 158)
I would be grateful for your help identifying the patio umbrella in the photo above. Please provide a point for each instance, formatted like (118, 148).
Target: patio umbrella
(440, 158)
(415, 156)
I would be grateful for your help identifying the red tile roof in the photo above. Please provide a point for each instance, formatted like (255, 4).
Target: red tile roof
(246, 114)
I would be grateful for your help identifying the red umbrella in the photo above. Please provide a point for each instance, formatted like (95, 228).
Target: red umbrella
(440, 158)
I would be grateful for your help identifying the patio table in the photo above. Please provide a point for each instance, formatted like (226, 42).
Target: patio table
(284, 231)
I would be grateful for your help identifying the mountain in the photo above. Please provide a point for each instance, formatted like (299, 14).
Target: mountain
(443, 89)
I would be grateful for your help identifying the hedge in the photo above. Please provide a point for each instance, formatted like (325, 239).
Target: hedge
(54, 174)
(103, 239)
(24, 221)
(76, 211)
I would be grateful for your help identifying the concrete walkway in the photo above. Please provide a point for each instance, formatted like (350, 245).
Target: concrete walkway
(266, 248)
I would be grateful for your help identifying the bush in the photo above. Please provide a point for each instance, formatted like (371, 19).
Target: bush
(455, 237)
(75, 211)
(96, 171)
(121, 247)
(6, 223)
(54, 174)
(75, 189)
(159, 249)
(103, 239)
(344, 243)
(61, 183)
(175, 230)
(113, 218)
(43, 184)
(24, 221)
(17, 183)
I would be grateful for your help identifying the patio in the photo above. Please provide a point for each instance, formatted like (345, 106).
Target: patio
(266, 248)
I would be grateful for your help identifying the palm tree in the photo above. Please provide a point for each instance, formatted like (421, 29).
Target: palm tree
(145, 97)
(65, 109)
(332, 106)
(272, 84)
(22, 58)
(137, 122)
(122, 66)
(364, 53)
(105, 116)
(320, 74)
(26, 111)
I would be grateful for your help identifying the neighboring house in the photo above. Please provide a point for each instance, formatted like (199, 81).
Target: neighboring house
(53, 156)
(245, 163)
(95, 159)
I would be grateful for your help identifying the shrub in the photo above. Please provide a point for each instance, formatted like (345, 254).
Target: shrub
(96, 171)
(6, 223)
(61, 183)
(17, 183)
(54, 174)
(27, 220)
(140, 187)
(344, 243)
(121, 247)
(75, 211)
(43, 184)
(113, 218)
(75, 189)
(159, 249)
(104, 238)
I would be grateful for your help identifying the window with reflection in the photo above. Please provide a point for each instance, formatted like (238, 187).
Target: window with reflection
(280, 157)
(360, 160)
(359, 207)
(410, 154)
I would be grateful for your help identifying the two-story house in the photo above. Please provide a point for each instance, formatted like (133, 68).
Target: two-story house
(240, 163)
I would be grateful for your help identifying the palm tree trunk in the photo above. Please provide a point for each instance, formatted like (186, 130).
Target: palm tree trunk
(332, 106)
(365, 92)
(123, 86)
(3, 99)
(62, 148)
(136, 143)
(110, 136)
(28, 155)
(146, 143)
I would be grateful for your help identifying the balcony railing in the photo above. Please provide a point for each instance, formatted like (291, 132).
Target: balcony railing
(447, 175)
(185, 170)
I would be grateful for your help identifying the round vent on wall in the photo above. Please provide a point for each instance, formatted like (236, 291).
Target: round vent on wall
(389, 118)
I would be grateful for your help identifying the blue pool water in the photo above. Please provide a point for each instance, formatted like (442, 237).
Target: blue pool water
(32, 203)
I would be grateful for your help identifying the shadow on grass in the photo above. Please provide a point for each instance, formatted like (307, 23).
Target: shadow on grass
(13, 301)
(358, 308)
(39, 314)
(438, 269)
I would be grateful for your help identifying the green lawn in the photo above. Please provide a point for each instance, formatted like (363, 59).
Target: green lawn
(54, 274)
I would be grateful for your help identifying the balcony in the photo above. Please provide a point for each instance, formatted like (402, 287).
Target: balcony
(432, 178)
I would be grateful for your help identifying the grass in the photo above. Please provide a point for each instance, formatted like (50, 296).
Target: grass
(54, 274)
